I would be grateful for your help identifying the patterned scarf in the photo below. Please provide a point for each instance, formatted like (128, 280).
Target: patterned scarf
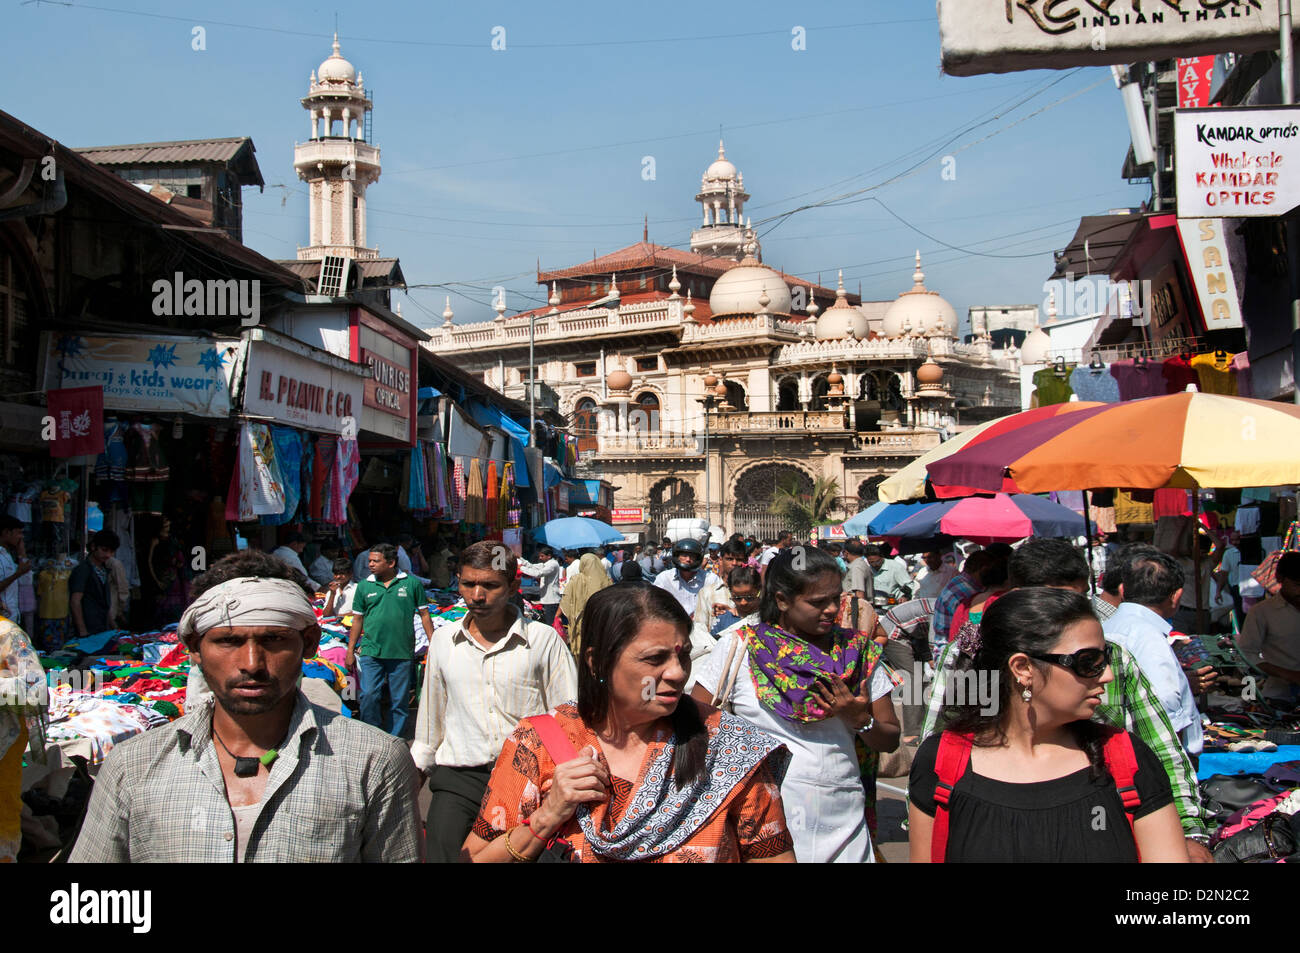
(785, 667)
(660, 818)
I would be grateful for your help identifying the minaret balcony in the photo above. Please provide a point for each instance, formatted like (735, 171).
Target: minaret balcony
(337, 151)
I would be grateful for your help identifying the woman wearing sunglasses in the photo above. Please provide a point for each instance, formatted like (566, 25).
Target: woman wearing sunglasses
(1022, 774)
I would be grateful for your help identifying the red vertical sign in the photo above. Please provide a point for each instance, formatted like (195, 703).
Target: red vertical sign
(1194, 81)
(78, 414)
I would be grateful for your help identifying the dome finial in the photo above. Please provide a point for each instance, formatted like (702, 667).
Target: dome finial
(918, 276)
(613, 286)
(554, 302)
(722, 152)
(812, 308)
(674, 285)
(688, 309)
(763, 300)
(839, 286)
(336, 44)
(447, 313)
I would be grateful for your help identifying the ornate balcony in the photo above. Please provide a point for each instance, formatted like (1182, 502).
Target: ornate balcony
(785, 423)
(897, 442)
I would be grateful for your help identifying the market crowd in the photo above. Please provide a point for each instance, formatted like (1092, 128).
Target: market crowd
(683, 701)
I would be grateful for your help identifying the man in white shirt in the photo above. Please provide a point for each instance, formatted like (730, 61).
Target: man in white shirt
(685, 580)
(938, 572)
(12, 567)
(291, 555)
(889, 576)
(1270, 640)
(547, 573)
(483, 676)
(1151, 587)
(783, 542)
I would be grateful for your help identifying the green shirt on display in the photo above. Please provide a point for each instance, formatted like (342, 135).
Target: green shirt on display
(388, 629)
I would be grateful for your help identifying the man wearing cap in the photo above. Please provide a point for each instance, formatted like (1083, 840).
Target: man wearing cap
(253, 773)
(685, 578)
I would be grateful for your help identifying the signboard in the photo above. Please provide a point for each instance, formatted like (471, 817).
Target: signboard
(157, 374)
(1206, 250)
(388, 402)
(835, 531)
(1003, 36)
(78, 414)
(291, 388)
(1194, 77)
(627, 514)
(1237, 163)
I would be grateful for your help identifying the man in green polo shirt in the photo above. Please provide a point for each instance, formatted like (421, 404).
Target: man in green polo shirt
(382, 641)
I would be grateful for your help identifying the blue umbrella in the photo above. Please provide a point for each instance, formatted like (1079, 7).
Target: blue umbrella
(857, 525)
(578, 532)
(879, 518)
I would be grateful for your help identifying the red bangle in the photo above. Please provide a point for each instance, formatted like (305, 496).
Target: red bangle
(548, 843)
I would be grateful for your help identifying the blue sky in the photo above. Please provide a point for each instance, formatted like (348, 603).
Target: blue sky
(493, 160)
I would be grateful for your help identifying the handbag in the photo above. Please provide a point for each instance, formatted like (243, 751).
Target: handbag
(1266, 573)
(558, 746)
(1270, 840)
(1225, 793)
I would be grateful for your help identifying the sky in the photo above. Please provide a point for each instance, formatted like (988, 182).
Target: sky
(497, 159)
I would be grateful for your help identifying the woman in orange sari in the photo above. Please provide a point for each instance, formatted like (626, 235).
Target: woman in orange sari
(636, 769)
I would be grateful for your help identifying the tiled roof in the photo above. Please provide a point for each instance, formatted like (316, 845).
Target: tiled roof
(649, 255)
(236, 150)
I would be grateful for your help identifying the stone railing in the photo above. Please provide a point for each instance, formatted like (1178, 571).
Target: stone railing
(574, 325)
(335, 150)
(896, 349)
(636, 443)
(785, 422)
(729, 328)
(898, 441)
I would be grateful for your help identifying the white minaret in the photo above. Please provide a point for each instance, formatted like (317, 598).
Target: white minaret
(336, 162)
(722, 199)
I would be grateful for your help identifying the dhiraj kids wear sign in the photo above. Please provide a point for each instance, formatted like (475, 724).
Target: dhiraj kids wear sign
(1003, 36)
(156, 374)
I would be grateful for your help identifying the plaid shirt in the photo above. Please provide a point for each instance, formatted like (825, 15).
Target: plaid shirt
(959, 589)
(1130, 703)
(340, 791)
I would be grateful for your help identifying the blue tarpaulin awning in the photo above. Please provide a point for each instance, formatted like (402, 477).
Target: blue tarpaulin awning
(486, 414)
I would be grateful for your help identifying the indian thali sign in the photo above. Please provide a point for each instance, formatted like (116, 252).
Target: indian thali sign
(1237, 163)
(157, 374)
(1003, 36)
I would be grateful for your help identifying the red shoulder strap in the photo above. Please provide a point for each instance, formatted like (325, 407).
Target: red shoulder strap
(553, 737)
(949, 764)
(1122, 764)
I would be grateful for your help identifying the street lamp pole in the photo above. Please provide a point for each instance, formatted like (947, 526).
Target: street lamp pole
(532, 387)
(708, 485)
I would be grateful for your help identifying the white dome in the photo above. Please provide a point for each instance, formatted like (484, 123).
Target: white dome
(841, 320)
(722, 167)
(920, 311)
(1037, 346)
(336, 69)
(739, 288)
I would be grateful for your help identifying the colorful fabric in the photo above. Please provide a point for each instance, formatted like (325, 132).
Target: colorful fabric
(256, 486)
(475, 510)
(1051, 389)
(1215, 372)
(322, 477)
(347, 472)
(732, 812)
(1178, 373)
(1094, 383)
(288, 453)
(785, 667)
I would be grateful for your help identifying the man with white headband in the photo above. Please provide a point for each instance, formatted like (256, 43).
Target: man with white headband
(254, 772)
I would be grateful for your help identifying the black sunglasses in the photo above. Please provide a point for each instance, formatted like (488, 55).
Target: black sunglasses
(1086, 663)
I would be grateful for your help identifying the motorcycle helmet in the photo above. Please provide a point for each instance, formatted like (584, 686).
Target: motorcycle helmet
(688, 554)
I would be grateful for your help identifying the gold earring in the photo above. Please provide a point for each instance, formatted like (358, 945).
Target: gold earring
(1026, 694)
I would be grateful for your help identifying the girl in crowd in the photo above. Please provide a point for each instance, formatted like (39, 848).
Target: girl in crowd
(816, 687)
(633, 774)
(1029, 778)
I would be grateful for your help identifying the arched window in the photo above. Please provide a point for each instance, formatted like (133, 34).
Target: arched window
(736, 396)
(585, 425)
(787, 399)
(644, 417)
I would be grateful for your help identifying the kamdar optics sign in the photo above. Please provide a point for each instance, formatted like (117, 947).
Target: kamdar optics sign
(1003, 36)
(1237, 163)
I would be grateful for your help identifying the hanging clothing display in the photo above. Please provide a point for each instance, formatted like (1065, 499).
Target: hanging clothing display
(441, 500)
(492, 500)
(417, 479)
(146, 462)
(255, 485)
(1214, 372)
(1241, 375)
(1138, 379)
(322, 476)
(458, 489)
(288, 455)
(1094, 383)
(1170, 502)
(1051, 389)
(475, 510)
(347, 471)
(1128, 510)
(110, 466)
(1178, 373)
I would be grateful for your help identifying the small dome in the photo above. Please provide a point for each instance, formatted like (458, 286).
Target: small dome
(720, 390)
(920, 311)
(841, 320)
(722, 168)
(710, 380)
(619, 380)
(740, 290)
(336, 69)
(929, 374)
(1037, 347)
(834, 377)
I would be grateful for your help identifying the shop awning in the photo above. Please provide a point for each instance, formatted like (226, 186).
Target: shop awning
(1095, 245)
(488, 415)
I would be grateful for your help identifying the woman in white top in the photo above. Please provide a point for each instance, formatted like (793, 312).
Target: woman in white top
(813, 686)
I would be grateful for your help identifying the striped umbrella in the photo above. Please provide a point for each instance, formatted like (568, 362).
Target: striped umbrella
(991, 519)
(1180, 440)
(909, 482)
